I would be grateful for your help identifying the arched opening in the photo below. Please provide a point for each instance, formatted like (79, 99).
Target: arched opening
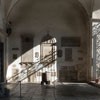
(48, 52)
(63, 23)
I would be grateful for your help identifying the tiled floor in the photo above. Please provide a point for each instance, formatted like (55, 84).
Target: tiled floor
(62, 91)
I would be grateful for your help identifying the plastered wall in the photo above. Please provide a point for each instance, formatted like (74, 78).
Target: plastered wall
(58, 24)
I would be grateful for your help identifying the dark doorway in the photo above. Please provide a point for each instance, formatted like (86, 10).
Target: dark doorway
(1, 62)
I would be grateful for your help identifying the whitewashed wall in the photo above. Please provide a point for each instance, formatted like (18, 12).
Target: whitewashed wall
(60, 20)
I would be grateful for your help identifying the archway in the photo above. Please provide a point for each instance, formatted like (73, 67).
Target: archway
(48, 51)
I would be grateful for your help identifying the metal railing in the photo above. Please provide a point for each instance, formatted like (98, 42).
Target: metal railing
(32, 69)
(96, 29)
(96, 50)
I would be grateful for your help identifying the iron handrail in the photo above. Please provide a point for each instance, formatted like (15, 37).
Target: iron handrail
(32, 66)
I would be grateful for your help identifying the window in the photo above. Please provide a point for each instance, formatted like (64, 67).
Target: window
(68, 54)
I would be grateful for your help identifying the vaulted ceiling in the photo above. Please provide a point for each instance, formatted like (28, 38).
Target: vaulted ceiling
(87, 4)
(37, 15)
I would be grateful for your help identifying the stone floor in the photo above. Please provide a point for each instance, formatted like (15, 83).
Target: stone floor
(60, 91)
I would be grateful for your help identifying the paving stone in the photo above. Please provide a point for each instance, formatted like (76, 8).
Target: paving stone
(71, 91)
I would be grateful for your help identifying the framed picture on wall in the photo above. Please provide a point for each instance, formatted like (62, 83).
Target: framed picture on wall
(14, 56)
(59, 53)
(70, 41)
(36, 54)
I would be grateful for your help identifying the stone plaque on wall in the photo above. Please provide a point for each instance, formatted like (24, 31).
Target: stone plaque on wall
(70, 41)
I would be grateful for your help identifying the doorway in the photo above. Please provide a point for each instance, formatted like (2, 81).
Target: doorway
(1, 62)
(48, 51)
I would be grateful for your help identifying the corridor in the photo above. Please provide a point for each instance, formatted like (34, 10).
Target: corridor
(59, 91)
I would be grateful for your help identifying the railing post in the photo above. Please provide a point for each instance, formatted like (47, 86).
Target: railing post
(20, 88)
